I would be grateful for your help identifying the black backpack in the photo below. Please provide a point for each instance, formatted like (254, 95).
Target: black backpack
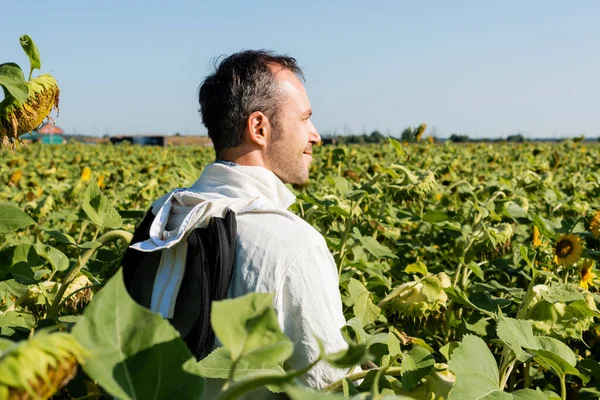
(207, 276)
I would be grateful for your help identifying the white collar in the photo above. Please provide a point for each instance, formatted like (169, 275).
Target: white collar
(254, 180)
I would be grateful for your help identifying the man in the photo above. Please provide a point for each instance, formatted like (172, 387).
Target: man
(257, 113)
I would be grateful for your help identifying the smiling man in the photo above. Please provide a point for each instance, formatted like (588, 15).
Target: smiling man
(257, 113)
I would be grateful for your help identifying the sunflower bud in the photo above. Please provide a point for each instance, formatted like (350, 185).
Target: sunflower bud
(419, 299)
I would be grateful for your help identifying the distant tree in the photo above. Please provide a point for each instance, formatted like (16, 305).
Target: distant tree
(515, 138)
(376, 137)
(407, 135)
(459, 138)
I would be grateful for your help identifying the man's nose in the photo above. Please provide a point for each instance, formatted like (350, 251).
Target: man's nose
(314, 137)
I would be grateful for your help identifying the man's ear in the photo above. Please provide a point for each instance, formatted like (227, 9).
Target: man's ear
(258, 128)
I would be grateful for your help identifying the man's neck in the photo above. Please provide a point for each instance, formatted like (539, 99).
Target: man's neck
(252, 158)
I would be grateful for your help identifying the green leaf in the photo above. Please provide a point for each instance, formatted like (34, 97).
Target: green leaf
(16, 319)
(136, 354)
(513, 210)
(62, 237)
(98, 208)
(479, 327)
(393, 345)
(20, 262)
(374, 247)
(57, 259)
(552, 353)
(361, 336)
(363, 305)
(528, 394)
(418, 268)
(13, 81)
(448, 349)
(432, 287)
(32, 52)
(218, 364)
(397, 146)
(189, 172)
(544, 226)
(356, 354)
(341, 184)
(476, 269)
(416, 364)
(247, 326)
(516, 333)
(300, 393)
(12, 218)
(476, 371)
(434, 216)
(460, 297)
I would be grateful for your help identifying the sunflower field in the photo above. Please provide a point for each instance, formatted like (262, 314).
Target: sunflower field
(466, 271)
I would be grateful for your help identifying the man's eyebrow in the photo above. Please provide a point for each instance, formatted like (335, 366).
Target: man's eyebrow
(307, 114)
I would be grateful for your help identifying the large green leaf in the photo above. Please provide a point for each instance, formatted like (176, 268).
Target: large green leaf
(363, 305)
(555, 354)
(12, 218)
(416, 364)
(476, 372)
(528, 394)
(247, 326)
(218, 364)
(136, 354)
(32, 52)
(98, 208)
(516, 333)
(13, 81)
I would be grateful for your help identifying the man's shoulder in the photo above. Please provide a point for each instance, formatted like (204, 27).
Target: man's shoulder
(284, 229)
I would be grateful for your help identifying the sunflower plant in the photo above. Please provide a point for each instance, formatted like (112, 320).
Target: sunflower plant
(28, 102)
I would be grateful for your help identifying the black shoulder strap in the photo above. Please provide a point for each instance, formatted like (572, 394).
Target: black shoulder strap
(207, 277)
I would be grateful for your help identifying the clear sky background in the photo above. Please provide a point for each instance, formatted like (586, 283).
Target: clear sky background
(482, 68)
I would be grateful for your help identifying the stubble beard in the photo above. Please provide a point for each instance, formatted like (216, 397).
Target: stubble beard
(287, 163)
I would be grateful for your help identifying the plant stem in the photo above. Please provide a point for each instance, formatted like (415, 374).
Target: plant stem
(338, 385)
(563, 388)
(528, 298)
(74, 271)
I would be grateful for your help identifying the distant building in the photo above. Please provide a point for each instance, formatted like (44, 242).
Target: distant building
(46, 134)
(162, 140)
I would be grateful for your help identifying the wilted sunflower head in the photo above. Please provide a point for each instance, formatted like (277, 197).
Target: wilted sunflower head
(17, 118)
(594, 224)
(414, 185)
(567, 250)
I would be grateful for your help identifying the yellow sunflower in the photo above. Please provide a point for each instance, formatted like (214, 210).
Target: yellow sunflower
(587, 276)
(567, 250)
(594, 225)
(537, 240)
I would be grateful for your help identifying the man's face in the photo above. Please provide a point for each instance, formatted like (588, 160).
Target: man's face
(288, 153)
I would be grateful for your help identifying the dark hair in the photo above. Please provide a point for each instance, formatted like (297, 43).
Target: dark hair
(241, 84)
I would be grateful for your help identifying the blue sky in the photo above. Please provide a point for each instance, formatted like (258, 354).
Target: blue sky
(482, 68)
